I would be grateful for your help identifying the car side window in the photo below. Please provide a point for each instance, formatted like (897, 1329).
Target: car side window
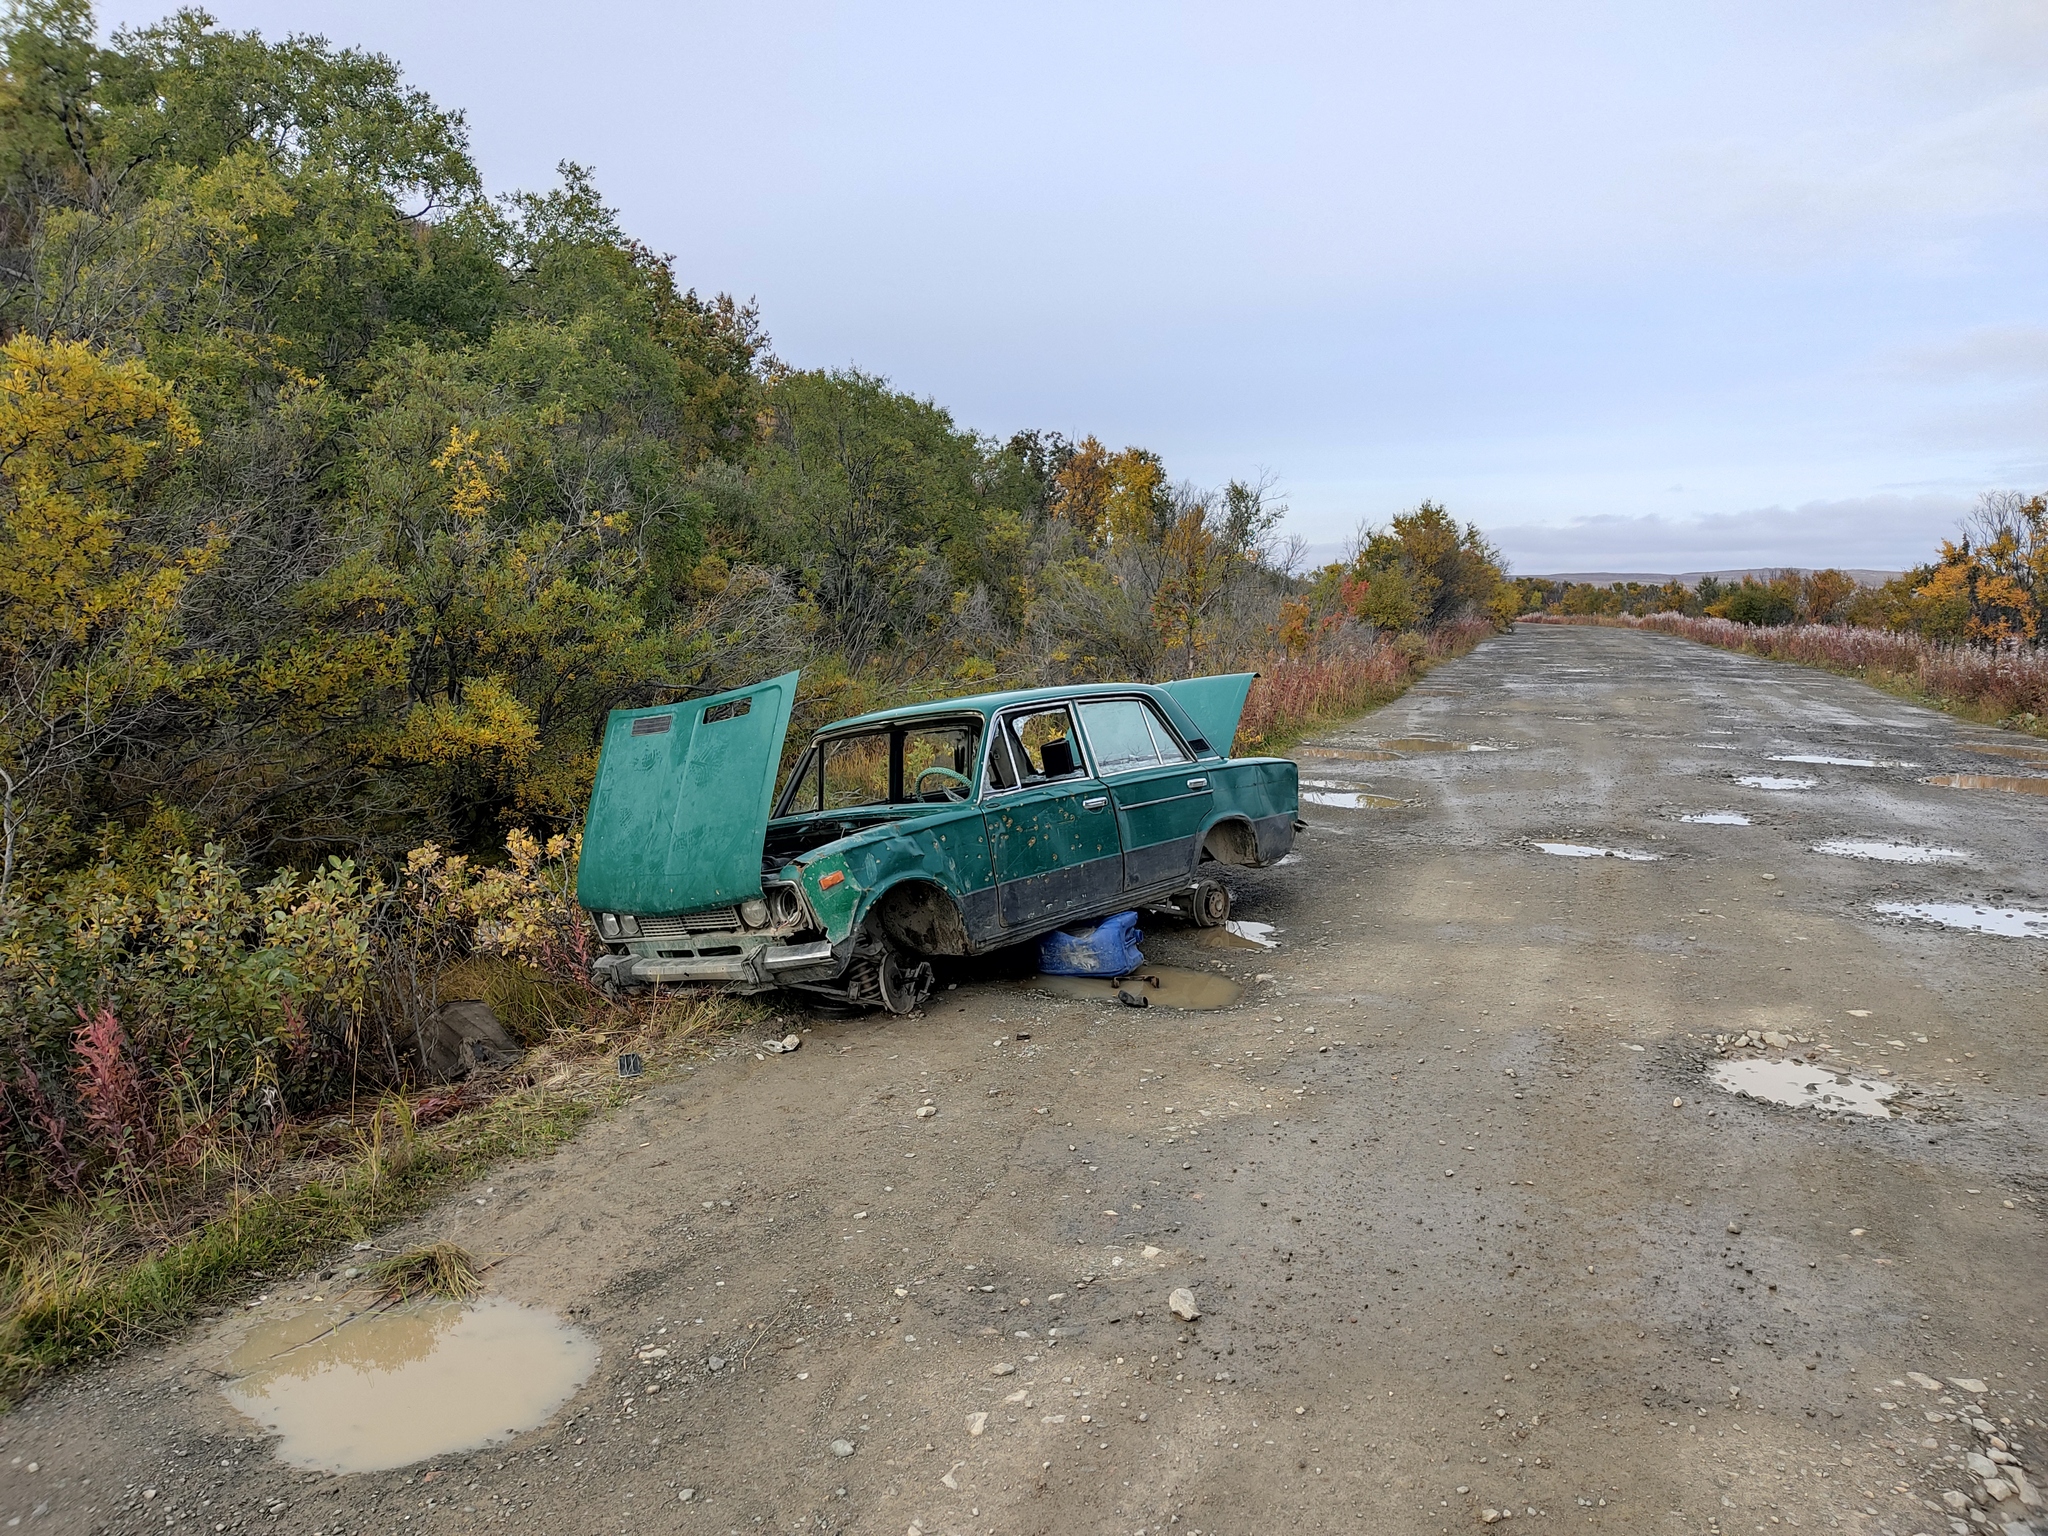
(1039, 747)
(1117, 732)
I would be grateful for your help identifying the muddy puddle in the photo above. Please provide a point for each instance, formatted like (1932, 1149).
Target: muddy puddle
(1237, 934)
(1396, 747)
(1888, 853)
(2005, 749)
(1347, 799)
(2013, 783)
(1973, 917)
(1774, 781)
(1162, 986)
(1718, 819)
(1802, 1085)
(1588, 851)
(1348, 754)
(1822, 760)
(394, 1386)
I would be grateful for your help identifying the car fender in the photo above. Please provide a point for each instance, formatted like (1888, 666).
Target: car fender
(951, 854)
(1235, 839)
(922, 912)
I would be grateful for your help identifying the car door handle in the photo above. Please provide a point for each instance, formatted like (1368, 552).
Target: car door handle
(1198, 783)
(1094, 802)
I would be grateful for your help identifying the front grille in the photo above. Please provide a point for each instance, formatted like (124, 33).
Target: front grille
(710, 920)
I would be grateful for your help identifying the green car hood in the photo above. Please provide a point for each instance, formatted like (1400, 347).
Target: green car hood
(1213, 703)
(679, 812)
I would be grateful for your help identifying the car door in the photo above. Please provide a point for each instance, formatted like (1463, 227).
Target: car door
(1161, 794)
(1052, 832)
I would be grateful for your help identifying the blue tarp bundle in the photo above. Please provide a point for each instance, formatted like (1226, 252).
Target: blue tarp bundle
(1107, 948)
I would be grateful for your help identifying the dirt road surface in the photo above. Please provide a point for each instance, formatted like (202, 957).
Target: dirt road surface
(1472, 1235)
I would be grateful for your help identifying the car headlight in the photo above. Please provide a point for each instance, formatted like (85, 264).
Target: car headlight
(608, 924)
(629, 925)
(784, 902)
(754, 912)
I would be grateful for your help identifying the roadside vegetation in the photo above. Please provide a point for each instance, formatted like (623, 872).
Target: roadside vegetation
(1967, 632)
(339, 502)
(1989, 586)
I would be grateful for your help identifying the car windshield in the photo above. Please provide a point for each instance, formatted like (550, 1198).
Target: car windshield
(913, 762)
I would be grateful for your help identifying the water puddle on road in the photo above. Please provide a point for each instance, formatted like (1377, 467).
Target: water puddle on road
(1718, 819)
(1802, 1085)
(2005, 749)
(2011, 782)
(2006, 922)
(1824, 761)
(1405, 744)
(1350, 800)
(1348, 754)
(1237, 934)
(1584, 851)
(394, 1386)
(1773, 781)
(1398, 747)
(1888, 853)
(1162, 986)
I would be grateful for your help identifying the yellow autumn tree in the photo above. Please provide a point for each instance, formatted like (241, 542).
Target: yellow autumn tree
(88, 612)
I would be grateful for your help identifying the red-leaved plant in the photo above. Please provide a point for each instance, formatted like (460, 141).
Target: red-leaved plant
(111, 1090)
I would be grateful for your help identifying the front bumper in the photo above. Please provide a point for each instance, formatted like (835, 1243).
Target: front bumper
(763, 963)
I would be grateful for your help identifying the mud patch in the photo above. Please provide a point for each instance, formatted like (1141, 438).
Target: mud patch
(1586, 851)
(2011, 782)
(1718, 819)
(1888, 853)
(1973, 917)
(1801, 1085)
(1162, 986)
(1773, 781)
(392, 1387)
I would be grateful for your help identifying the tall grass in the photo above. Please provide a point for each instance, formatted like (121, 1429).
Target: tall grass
(2007, 682)
(1293, 695)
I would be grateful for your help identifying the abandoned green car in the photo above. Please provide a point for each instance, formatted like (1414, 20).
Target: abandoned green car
(938, 829)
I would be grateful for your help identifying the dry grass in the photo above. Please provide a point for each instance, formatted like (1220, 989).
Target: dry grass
(81, 1277)
(440, 1269)
(1295, 695)
(2008, 684)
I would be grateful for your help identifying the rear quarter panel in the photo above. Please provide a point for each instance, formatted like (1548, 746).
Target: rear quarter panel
(1265, 791)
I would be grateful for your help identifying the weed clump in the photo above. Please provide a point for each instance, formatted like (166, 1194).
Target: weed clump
(439, 1269)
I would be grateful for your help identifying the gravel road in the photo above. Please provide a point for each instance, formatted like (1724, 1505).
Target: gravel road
(1473, 1236)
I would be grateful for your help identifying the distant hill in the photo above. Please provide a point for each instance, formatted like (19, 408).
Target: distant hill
(1692, 578)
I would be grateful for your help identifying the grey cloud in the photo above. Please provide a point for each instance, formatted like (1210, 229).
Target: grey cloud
(1884, 532)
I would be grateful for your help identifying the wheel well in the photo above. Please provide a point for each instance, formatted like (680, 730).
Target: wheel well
(923, 918)
(1231, 842)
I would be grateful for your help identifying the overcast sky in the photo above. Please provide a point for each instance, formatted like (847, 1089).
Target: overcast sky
(1634, 286)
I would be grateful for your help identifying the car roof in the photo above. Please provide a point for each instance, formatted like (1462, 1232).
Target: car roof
(988, 703)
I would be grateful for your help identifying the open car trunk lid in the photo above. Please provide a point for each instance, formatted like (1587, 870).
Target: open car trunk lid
(679, 812)
(1214, 704)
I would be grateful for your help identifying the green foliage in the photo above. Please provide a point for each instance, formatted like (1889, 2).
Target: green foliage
(1420, 573)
